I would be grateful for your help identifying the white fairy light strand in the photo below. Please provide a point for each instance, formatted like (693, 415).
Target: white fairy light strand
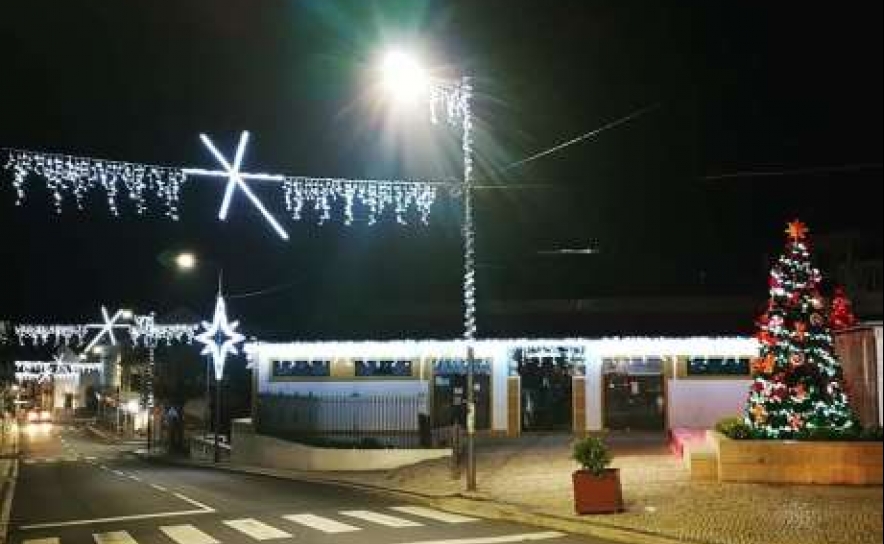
(375, 196)
(68, 176)
(143, 331)
(77, 176)
(57, 334)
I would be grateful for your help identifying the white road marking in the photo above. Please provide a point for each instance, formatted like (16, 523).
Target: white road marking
(319, 523)
(256, 529)
(435, 515)
(96, 521)
(187, 534)
(30, 462)
(43, 541)
(203, 509)
(193, 502)
(381, 519)
(134, 478)
(116, 537)
(90, 458)
(159, 487)
(119, 473)
(526, 537)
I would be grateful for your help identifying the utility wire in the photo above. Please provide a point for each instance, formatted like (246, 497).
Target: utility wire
(590, 134)
(267, 291)
(796, 171)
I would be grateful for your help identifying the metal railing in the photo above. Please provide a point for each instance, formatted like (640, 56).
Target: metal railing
(349, 421)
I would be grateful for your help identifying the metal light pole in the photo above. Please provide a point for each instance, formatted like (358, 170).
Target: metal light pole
(469, 278)
(404, 76)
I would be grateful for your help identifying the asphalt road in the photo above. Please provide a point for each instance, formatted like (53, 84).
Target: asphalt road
(75, 489)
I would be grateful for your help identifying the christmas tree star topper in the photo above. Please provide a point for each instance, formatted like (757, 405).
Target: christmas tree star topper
(797, 230)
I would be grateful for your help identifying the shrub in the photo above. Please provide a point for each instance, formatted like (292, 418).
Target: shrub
(592, 455)
(735, 428)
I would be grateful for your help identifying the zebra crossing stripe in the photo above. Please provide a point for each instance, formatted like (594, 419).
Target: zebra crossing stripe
(256, 529)
(42, 541)
(320, 523)
(435, 515)
(381, 519)
(187, 534)
(115, 537)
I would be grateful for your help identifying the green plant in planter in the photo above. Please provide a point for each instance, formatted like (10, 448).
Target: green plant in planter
(735, 428)
(592, 455)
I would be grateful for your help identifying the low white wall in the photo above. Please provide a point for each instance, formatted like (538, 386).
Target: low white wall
(249, 448)
(699, 404)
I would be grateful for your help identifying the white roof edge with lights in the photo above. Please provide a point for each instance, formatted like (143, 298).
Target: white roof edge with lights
(606, 346)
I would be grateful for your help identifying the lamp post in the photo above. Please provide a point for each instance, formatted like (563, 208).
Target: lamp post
(187, 262)
(404, 78)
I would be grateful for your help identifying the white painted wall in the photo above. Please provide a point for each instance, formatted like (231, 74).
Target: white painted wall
(699, 404)
(594, 384)
(248, 448)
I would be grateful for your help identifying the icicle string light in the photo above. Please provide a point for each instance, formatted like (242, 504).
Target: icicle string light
(375, 196)
(67, 175)
(73, 177)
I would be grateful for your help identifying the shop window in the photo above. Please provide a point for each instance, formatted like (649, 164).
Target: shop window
(718, 366)
(301, 369)
(391, 368)
(455, 366)
(633, 365)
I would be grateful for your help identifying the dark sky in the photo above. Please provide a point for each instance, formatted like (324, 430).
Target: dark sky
(738, 86)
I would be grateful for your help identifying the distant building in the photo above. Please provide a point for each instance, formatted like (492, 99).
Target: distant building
(854, 261)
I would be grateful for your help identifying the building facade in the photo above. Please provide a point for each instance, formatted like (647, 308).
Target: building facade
(577, 385)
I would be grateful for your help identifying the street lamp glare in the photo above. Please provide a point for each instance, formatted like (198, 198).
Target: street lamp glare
(403, 76)
(185, 261)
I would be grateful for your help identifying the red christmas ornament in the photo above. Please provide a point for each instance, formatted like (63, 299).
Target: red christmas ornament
(842, 316)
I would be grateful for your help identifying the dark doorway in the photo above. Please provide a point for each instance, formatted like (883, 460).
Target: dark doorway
(450, 393)
(546, 389)
(634, 402)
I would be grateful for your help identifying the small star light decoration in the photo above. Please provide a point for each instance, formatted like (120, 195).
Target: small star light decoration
(219, 337)
(797, 231)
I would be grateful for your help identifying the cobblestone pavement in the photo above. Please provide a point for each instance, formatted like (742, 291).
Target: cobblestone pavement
(534, 473)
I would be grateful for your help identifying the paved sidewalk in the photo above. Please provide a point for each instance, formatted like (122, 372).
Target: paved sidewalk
(529, 480)
(8, 470)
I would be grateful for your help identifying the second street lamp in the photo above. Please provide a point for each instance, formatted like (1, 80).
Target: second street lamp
(406, 79)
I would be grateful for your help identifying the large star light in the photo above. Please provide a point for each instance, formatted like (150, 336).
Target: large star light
(107, 328)
(235, 179)
(220, 338)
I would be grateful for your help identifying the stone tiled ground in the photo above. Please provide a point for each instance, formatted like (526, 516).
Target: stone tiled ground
(534, 473)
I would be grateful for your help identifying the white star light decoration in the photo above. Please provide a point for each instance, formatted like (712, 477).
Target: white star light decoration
(220, 337)
(235, 179)
(107, 328)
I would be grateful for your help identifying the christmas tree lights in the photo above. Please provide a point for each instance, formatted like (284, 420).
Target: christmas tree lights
(797, 386)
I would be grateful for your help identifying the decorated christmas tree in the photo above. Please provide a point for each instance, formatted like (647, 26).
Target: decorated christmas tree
(842, 316)
(798, 387)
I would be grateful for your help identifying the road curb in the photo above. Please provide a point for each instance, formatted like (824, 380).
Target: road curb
(474, 505)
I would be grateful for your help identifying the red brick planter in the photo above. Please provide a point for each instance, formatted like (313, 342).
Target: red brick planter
(597, 494)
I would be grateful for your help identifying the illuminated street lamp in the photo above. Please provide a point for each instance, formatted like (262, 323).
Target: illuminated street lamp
(185, 261)
(405, 79)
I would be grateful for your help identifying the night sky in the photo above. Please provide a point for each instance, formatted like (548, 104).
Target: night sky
(729, 86)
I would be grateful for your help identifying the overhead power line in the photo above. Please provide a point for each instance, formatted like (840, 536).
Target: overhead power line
(582, 137)
(810, 170)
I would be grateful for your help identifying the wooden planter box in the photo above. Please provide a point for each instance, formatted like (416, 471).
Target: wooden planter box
(597, 494)
(798, 462)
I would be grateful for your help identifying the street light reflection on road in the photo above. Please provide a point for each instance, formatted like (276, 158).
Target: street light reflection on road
(35, 430)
